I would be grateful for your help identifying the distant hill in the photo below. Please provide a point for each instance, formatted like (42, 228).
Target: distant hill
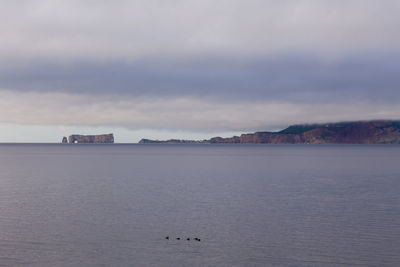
(358, 132)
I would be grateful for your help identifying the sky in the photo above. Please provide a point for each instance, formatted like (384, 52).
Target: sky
(193, 69)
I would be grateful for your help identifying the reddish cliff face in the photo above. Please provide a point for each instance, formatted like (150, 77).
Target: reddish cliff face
(91, 139)
(269, 138)
(374, 132)
(371, 132)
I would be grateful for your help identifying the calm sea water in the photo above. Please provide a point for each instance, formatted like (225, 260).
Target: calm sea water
(251, 205)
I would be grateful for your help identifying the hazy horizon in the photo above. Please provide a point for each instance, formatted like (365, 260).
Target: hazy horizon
(126, 137)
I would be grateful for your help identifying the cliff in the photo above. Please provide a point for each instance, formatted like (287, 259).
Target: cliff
(359, 132)
(91, 139)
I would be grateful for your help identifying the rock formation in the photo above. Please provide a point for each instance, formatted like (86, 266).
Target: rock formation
(64, 140)
(91, 139)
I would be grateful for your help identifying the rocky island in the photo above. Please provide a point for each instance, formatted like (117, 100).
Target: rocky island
(359, 132)
(89, 139)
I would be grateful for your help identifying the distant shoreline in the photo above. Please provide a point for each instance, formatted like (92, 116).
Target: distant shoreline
(358, 132)
(188, 144)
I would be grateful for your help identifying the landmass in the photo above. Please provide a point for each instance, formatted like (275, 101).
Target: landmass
(172, 141)
(89, 139)
(358, 132)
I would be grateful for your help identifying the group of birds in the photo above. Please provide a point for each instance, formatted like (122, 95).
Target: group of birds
(188, 239)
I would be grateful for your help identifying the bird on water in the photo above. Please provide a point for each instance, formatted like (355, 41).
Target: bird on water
(188, 239)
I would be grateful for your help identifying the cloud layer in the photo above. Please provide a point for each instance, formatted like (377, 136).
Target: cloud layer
(227, 65)
(298, 78)
(185, 113)
(130, 30)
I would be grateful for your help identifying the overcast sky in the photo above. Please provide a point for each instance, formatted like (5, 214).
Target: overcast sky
(193, 69)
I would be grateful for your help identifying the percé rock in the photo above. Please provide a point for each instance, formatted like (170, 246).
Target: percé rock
(91, 139)
(64, 140)
(360, 132)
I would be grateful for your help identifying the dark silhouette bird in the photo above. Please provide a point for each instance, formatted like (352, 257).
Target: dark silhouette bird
(167, 237)
(178, 238)
(188, 239)
(197, 239)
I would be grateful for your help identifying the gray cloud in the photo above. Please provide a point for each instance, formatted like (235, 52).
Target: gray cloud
(130, 30)
(300, 78)
(297, 50)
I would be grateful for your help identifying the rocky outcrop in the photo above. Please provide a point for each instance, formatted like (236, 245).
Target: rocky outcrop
(64, 140)
(91, 139)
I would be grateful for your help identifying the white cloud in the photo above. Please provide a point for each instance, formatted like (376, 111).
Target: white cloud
(185, 113)
(124, 29)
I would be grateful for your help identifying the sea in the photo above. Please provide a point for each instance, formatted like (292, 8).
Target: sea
(229, 205)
